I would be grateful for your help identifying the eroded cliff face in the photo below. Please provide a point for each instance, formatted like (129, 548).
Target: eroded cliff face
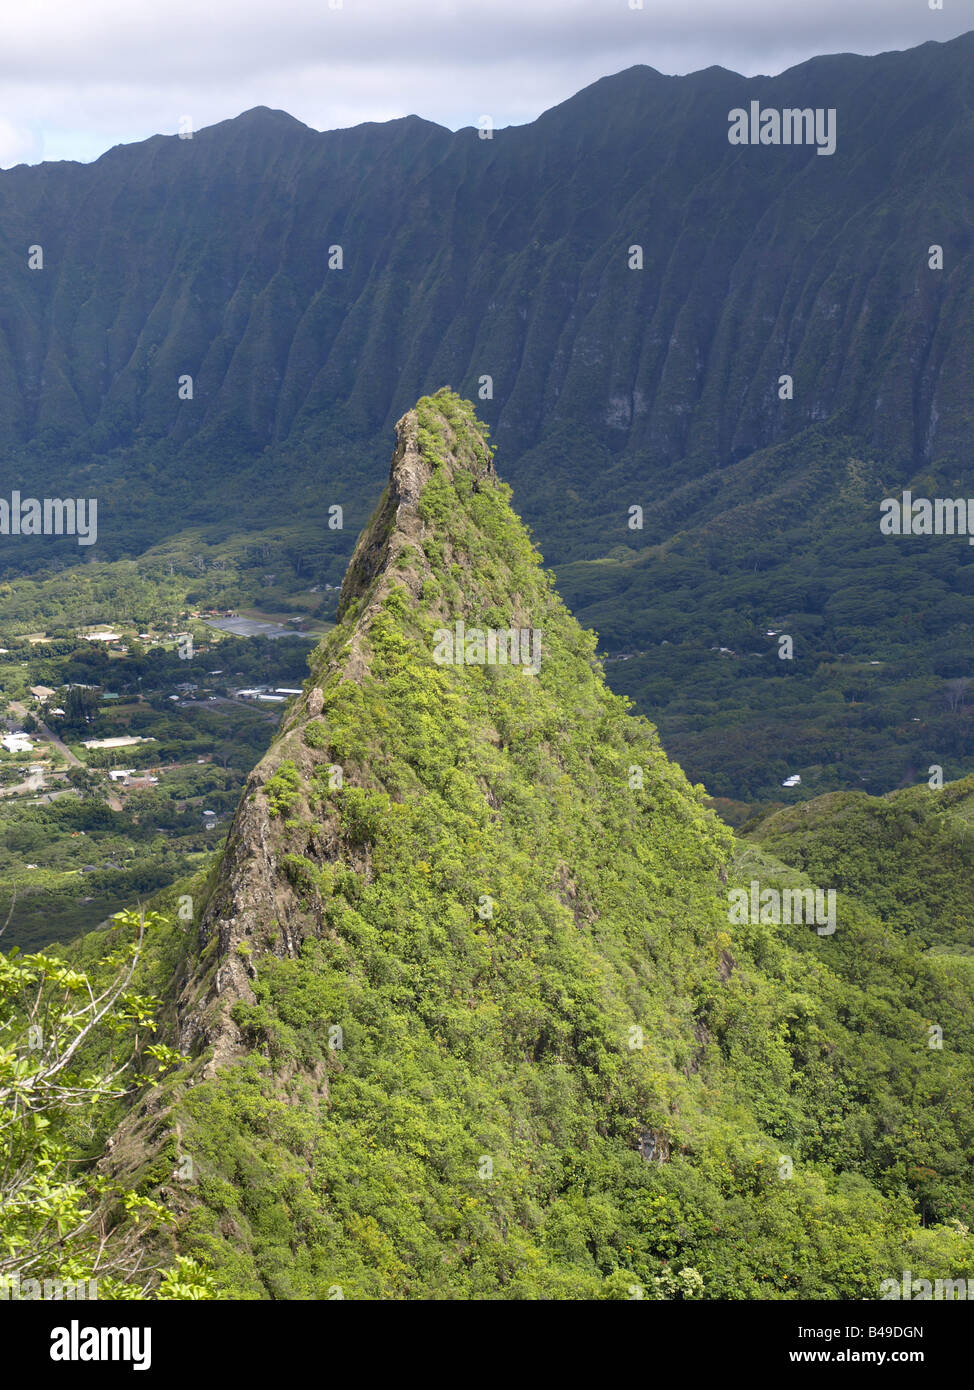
(211, 257)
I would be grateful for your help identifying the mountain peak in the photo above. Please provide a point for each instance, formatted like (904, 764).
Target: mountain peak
(441, 432)
(268, 115)
(469, 979)
(443, 546)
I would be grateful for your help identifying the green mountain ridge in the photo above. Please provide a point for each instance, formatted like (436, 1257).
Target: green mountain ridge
(465, 259)
(468, 1015)
(210, 256)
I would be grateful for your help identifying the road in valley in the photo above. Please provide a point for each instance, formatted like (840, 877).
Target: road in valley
(21, 711)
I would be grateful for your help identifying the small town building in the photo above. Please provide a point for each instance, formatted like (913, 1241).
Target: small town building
(17, 743)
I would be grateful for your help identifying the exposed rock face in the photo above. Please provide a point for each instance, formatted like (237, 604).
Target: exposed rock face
(397, 523)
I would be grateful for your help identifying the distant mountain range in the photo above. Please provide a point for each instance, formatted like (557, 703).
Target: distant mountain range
(463, 259)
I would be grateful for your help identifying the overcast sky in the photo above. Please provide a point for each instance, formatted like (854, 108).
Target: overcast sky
(78, 76)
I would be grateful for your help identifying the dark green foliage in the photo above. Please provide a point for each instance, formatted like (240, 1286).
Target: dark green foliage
(612, 387)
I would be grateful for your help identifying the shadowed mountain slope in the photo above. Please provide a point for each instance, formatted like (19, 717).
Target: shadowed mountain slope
(313, 285)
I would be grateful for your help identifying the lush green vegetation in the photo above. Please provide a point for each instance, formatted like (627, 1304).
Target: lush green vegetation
(467, 1013)
(268, 569)
(878, 688)
(489, 1031)
(609, 387)
(71, 1042)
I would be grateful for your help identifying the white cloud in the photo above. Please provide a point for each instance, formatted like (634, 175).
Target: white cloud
(18, 145)
(77, 78)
